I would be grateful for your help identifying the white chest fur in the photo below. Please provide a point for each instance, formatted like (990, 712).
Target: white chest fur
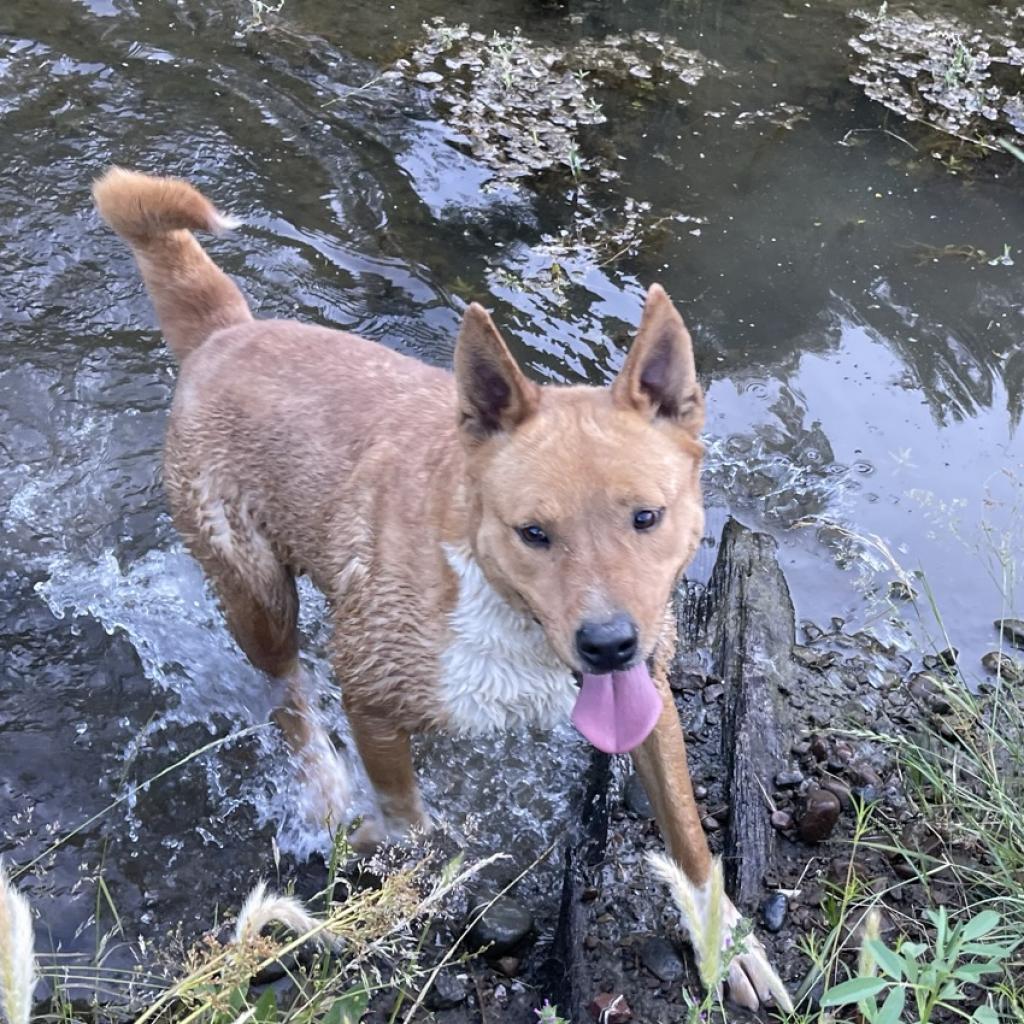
(498, 670)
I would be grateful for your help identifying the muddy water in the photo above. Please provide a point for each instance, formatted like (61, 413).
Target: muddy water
(862, 377)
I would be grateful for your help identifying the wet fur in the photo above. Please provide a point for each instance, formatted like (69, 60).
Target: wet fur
(397, 487)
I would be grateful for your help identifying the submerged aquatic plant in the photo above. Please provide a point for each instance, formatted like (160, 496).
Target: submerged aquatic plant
(963, 80)
(17, 954)
(522, 106)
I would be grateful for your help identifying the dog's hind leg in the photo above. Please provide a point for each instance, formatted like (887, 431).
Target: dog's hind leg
(257, 595)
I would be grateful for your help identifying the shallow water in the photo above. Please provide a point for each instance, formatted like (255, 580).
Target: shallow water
(857, 382)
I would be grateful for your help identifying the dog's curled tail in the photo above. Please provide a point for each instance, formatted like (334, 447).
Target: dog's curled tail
(193, 297)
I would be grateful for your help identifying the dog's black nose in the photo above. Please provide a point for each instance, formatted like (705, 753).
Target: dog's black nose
(607, 646)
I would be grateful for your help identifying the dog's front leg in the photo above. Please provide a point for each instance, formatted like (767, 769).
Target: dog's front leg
(661, 764)
(386, 752)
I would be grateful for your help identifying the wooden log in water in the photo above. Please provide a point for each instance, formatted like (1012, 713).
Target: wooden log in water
(749, 628)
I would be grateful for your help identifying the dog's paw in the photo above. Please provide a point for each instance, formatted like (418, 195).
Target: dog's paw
(716, 933)
(377, 830)
(325, 788)
(752, 981)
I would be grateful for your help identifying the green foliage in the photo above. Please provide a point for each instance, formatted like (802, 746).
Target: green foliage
(931, 976)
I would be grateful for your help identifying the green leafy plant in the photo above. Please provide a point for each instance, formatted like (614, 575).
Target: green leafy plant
(931, 976)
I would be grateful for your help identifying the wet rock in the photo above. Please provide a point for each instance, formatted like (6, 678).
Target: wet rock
(819, 747)
(447, 992)
(610, 1008)
(773, 911)
(998, 664)
(866, 794)
(700, 792)
(788, 778)
(1012, 630)
(687, 682)
(713, 693)
(865, 775)
(944, 659)
(710, 824)
(929, 693)
(508, 965)
(814, 659)
(842, 792)
(819, 816)
(661, 959)
(635, 797)
(900, 590)
(782, 820)
(503, 926)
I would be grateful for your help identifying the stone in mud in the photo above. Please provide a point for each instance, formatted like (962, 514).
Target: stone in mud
(1012, 630)
(750, 629)
(610, 1008)
(842, 792)
(900, 590)
(788, 778)
(504, 925)
(508, 965)
(635, 797)
(819, 816)
(447, 992)
(929, 693)
(998, 664)
(944, 659)
(660, 958)
(773, 911)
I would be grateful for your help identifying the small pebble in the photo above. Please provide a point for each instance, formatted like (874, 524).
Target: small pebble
(789, 777)
(1012, 630)
(819, 816)
(447, 992)
(709, 823)
(508, 965)
(661, 959)
(998, 664)
(900, 590)
(782, 820)
(635, 797)
(842, 791)
(503, 926)
(773, 911)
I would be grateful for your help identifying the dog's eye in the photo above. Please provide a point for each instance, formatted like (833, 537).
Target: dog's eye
(646, 518)
(533, 535)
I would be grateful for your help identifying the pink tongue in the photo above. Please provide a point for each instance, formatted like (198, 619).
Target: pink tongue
(617, 711)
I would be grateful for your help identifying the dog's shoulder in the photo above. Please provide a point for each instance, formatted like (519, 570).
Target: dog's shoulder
(498, 670)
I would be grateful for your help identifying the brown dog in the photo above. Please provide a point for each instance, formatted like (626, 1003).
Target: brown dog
(482, 540)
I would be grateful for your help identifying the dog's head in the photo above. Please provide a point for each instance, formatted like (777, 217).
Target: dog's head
(586, 501)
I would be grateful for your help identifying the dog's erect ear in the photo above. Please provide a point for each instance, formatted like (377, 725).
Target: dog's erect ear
(494, 395)
(659, 377)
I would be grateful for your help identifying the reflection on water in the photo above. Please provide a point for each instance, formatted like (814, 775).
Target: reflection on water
(856, 306)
